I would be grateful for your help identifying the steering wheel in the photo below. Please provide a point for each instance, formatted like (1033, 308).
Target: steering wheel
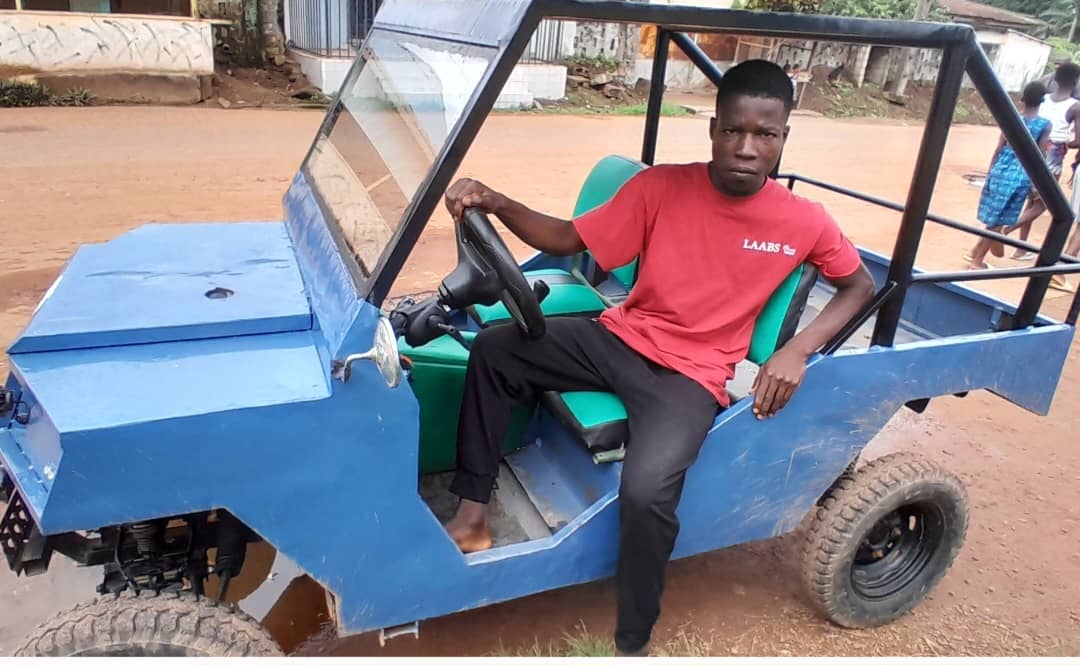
(487, 273)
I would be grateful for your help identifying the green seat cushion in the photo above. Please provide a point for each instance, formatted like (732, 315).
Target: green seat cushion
(602, 183)
(442, 349)
(567, 296)
(597, 419)
(437, 379)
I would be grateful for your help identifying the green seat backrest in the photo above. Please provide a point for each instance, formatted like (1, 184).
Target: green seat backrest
(605, 179)
(779, 319)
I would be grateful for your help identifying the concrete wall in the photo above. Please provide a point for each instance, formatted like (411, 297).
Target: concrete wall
(326, 74)
(1020, 60)
(527, 82)
(67, 42)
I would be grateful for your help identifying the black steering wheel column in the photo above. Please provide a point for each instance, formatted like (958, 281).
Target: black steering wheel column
(486, 273)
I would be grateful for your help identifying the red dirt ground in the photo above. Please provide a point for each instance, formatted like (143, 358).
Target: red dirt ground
(73, 176)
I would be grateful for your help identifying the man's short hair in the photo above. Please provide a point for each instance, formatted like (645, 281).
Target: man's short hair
(1067, 75)
(756, 78)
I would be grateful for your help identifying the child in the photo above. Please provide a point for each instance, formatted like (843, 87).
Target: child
(1007, 183)
(1061, 109)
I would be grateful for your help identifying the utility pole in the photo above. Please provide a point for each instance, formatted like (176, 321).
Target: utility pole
(911, 56)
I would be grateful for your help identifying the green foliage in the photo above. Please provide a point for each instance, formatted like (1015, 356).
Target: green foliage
(583, 644)
(895, 9)
(1058, 14)
(577, 105)
(599, 63)
(23, 94)
(789, 6)
(666, 110)
(74, 97)
(20, 94)
(1063, 48)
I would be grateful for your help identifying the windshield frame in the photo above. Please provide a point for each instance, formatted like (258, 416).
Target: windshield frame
(376, 285)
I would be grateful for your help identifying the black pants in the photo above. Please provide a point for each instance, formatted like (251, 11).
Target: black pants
(669, 416)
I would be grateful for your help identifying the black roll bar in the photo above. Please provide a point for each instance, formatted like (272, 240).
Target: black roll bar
(792, 178)
(700, 59)
(656, 96)
(999, 273)
(960, 53)
(946, 92)
(880, 298)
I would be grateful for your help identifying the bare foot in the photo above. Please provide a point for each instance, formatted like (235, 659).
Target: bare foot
(469, 527)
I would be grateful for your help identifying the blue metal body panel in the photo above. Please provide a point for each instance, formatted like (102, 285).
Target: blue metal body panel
(148, 400)
(125, 433)
(150, 285)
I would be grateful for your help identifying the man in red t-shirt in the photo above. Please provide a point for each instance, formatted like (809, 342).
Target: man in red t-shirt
(714, 241)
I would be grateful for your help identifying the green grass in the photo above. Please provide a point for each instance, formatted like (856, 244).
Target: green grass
(571, 108)
(583, 644)
(666, 109)
(22, 94)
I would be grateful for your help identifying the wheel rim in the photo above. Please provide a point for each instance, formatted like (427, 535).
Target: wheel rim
(896, 550)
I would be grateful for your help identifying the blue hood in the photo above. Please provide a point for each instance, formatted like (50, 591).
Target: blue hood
(152, 285)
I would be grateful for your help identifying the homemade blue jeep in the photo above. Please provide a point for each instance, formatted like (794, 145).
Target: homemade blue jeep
(184, 393)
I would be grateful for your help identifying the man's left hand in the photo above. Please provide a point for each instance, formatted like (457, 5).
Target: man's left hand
(777, 381)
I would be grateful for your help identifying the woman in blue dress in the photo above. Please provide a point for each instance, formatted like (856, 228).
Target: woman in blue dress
(1007, 184)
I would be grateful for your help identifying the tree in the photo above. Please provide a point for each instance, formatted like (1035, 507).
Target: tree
(1060, 15)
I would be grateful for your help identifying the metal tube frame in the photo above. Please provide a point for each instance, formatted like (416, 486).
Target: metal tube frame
(705, 65)
(792, 178)
(656, 96)
(960, 53)
(927, 163)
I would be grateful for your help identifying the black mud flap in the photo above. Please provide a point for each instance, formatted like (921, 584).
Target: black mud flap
(27, 551)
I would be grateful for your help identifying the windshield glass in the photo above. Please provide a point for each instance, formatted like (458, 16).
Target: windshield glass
(398, 109)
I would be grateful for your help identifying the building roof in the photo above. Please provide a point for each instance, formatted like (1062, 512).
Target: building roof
(979, 15)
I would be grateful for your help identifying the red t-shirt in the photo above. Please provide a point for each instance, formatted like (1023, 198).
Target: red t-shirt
(708, 264)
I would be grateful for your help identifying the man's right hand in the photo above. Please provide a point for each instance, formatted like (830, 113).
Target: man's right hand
(469, 193)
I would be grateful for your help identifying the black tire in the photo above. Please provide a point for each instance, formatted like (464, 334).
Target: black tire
(150, 625)
(882, 538)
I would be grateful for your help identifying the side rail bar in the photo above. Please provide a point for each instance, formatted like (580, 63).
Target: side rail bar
(868, 310)
(793, 178)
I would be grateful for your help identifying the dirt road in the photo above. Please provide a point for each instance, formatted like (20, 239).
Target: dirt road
(73, 176)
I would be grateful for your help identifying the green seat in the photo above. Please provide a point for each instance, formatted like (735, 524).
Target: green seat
(570, 292)
(602, 183)
(438, 381)
(598, 419)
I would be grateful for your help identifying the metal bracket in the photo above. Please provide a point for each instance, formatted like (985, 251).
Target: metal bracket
(609, 456)
(387, 634)
(26, 549)
(342, 369)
